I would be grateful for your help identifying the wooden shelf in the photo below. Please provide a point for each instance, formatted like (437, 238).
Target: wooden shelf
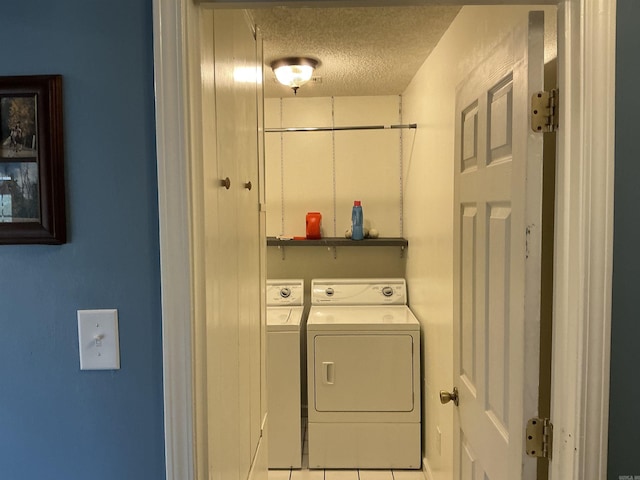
(339, 242)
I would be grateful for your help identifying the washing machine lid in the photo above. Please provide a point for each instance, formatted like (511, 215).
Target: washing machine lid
(361, 317)
(281, 319)
(282, 292)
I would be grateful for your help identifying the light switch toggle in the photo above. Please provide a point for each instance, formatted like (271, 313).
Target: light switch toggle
(98, 341)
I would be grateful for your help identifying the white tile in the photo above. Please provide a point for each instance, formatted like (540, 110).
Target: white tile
(408, 475)
(279, 474)
(307, 474)
(376, 475)
(340, 475)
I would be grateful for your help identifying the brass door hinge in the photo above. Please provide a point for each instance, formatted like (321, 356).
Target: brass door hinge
(544, 111)
(539, 441)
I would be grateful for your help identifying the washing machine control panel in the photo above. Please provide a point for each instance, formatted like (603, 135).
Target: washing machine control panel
(359, 291)
(285, 292)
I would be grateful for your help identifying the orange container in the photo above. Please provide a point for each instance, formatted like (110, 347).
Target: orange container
(314, 219)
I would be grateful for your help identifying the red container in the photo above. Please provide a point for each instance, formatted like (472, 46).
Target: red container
(314, 219)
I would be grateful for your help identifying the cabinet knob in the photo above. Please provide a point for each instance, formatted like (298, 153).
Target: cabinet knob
(248, 185)
(226, 183)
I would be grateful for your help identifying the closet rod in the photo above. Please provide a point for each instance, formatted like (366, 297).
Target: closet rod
(332, 129)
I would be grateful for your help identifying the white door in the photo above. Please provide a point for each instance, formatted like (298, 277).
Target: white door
(498, 194)
(234, 372)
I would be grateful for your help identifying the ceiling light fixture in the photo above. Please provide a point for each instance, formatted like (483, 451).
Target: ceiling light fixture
(294, 71)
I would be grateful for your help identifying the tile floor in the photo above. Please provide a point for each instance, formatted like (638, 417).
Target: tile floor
(305, 474)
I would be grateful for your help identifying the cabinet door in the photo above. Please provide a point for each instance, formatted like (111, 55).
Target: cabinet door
(248, 233)
(239, 247)
(227, 332)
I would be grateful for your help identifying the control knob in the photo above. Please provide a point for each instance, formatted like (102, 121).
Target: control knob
(285, 292)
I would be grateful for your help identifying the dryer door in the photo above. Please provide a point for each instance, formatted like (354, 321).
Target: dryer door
(363, 373)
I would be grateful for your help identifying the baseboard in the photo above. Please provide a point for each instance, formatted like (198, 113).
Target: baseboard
(426, 469)
(259, 467)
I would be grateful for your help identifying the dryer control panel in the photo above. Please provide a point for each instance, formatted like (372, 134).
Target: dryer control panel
(359, 291)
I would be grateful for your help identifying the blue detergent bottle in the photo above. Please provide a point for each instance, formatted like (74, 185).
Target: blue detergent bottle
(357, 232)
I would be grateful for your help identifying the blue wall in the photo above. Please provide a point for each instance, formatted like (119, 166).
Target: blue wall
(624, 414)
(57, 422)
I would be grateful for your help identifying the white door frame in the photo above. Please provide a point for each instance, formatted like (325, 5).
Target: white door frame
(583, 243)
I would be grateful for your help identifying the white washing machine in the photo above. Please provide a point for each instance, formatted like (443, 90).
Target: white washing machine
(285, 299)
(363, 368)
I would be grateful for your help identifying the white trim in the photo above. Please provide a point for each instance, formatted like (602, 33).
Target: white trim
(584, 234)
(584, 226)
(173, 205)
(426, 469)
(193, 96)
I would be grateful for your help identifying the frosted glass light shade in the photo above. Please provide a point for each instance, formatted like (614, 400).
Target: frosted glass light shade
(294, 72)
(293, 75)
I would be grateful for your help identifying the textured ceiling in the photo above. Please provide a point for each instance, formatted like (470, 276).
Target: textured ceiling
(362, 51)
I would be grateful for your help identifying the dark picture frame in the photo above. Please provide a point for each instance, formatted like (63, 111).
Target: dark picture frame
(32, 201)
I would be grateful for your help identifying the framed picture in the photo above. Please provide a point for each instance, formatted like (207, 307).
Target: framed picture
(32, 205)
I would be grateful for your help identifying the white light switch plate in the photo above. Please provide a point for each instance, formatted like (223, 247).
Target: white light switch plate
(98, 339)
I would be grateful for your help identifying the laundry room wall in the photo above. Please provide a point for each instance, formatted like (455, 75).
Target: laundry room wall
(429, 101)
(325, 172)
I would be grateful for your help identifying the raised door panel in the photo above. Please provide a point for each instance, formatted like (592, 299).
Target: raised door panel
(470, 468)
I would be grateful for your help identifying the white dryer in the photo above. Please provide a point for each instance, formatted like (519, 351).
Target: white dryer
(363, 368)
(285, 299)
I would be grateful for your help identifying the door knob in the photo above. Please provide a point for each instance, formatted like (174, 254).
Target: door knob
(446, 397)
(226, 183)
(248, 185)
